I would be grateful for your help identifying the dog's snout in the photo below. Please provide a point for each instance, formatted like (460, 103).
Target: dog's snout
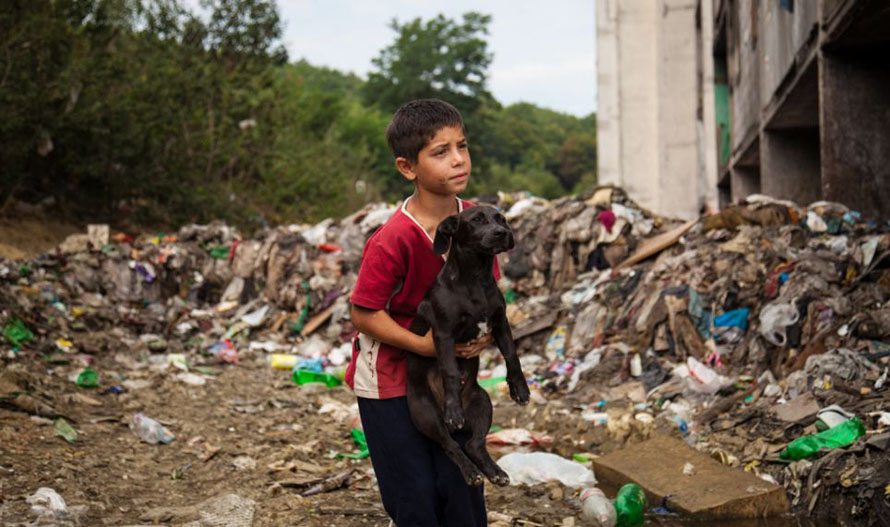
(500, 233)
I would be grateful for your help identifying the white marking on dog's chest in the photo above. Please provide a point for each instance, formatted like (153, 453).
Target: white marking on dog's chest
(484, 328)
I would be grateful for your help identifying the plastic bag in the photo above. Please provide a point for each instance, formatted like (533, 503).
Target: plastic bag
(538, 467)
(774, 318)
(150, 431)
(47, 501)
(517, 436)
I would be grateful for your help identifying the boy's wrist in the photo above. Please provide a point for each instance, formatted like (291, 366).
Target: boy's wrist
(424, 346)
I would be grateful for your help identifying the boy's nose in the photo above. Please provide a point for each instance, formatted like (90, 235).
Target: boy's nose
(456, 157)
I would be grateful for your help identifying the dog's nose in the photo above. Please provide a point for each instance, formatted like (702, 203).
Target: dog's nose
(500, 233)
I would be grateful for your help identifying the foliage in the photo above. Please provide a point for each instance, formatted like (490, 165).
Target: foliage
(439, 58)
(141, 111)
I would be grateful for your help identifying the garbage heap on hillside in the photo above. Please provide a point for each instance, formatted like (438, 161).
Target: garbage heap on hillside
(739, 332)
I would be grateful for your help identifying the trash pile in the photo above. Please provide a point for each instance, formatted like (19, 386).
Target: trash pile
(759, 335)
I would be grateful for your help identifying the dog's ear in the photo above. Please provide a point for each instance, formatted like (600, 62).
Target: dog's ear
(444, 232)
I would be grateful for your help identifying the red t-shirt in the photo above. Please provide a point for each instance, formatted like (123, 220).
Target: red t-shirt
(398, 267)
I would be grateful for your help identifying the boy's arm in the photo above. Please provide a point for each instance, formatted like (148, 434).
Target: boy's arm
(379, 325)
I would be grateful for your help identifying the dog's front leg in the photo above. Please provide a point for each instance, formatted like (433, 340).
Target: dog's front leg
(450, 373)
(504, 339)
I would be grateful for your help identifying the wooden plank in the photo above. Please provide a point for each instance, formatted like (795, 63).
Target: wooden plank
(655, 245)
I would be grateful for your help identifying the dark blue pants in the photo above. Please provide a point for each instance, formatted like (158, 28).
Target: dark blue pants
(419, 485)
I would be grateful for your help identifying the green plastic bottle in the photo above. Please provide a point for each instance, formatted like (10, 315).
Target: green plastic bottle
(630, 504)
(838, 436)
(307, 376)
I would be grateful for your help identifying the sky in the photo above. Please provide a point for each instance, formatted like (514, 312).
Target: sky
(544, 52)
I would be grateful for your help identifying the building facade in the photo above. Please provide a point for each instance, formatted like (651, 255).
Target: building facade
(789, 98)
(651, 133)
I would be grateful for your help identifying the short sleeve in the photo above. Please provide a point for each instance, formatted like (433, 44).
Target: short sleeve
(378, 275)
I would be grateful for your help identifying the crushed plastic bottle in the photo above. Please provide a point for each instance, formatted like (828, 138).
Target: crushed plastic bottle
(630, 504)
(150, 431)
(839, 436)
(596, 509)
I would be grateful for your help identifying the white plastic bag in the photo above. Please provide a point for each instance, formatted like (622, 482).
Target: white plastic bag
(774, 318)
(538, 467)
(47, 501)
(150, 431)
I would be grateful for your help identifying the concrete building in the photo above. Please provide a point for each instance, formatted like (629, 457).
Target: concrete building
(808, 100)
(651, 128)
(789, 98)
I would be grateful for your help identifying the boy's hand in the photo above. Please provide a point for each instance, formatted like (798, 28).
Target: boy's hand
(472, 348)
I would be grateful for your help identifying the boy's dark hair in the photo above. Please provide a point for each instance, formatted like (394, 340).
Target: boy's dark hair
(416, 123)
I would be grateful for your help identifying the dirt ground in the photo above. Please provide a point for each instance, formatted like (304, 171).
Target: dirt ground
(246, 411)
(22, 238)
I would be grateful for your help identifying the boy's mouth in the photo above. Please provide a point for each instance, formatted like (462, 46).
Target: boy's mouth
(460, 177)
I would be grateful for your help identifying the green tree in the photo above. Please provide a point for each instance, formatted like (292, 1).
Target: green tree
(438, 58)
(575, 158)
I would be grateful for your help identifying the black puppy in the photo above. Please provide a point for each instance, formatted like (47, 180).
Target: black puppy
(464, 301)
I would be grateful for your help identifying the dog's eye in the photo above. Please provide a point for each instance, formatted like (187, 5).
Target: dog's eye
(477, 219)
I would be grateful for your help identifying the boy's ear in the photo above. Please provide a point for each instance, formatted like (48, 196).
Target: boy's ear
(406, 168)
(444, 232)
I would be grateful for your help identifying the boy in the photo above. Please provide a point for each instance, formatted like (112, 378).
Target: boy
(419, 485)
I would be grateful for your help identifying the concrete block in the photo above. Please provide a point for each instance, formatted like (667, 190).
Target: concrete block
(714, 492)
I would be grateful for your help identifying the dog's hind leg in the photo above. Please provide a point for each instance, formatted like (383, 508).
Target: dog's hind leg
(479, 421)
(428, 419)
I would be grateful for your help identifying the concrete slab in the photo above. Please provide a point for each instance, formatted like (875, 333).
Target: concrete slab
(714, 492)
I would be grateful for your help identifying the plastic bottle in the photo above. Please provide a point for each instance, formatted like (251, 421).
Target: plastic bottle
(596, 509)
(839, 436)
(630, 503)
(150, 431)
(306, 377)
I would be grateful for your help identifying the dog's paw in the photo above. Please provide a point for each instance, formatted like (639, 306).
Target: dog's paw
(454, 418)
(519, 391)
(501, 479)
(474, 478)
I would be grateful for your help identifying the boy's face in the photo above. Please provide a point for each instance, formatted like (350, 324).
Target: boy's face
(443, 165)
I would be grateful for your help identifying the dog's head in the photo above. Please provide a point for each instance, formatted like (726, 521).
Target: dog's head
(479, 229)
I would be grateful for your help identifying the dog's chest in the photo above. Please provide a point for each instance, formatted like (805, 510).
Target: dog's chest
(475, 319)
(484, 328)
